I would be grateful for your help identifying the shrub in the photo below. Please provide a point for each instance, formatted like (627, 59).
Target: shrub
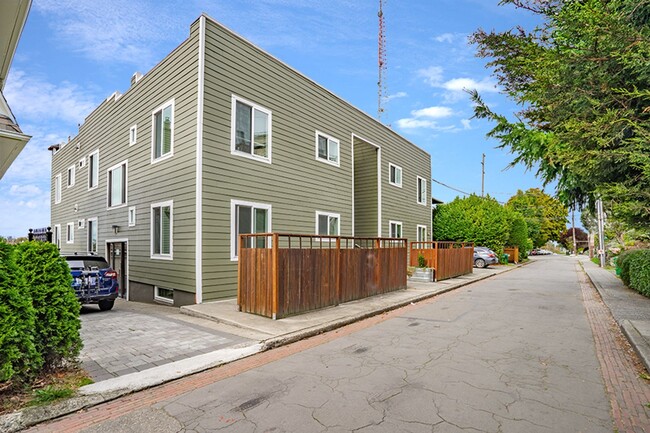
(49, 283)
(19, 359)
(639, 271)
(623, 264)
(422, 262)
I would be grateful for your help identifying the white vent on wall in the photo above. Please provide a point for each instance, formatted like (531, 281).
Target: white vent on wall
(82, 162)
(81, 224)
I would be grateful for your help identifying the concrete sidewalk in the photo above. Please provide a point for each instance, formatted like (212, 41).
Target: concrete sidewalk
(630, 309)
(264, 333)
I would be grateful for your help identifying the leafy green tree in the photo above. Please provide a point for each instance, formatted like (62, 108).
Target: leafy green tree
(518, 233)
(583, 81)
(19, 359)
(49, 284)
(545, 216)
(472, 219)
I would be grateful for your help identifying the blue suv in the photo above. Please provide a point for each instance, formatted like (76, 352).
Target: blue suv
(93, 280)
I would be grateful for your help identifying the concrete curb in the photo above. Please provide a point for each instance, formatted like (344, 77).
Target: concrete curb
(111, 389)
(637, 341)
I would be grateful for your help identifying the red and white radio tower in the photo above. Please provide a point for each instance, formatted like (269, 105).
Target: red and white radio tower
(381, 88)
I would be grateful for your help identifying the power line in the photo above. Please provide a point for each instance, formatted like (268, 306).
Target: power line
(450, 187)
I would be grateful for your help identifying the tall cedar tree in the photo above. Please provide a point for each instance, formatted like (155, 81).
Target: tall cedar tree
(583, 81)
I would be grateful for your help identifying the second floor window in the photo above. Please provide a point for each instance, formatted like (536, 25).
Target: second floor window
(57, 189)
(117, 185)
(251, 130)
(395, 175)
(93, 170)
(163, 130)
(327, 224)
(422, 191)
(327, 149)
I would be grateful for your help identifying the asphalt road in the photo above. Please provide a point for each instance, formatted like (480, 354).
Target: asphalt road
(514, 353)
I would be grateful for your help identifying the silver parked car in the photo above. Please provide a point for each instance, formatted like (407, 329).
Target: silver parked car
(484, 256)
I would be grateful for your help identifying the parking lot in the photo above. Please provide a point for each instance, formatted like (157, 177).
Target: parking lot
(134, 336)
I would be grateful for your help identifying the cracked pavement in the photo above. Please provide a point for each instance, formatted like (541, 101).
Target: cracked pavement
(514, 353)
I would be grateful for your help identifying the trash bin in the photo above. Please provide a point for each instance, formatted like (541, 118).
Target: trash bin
(504, 258)
(615, 263)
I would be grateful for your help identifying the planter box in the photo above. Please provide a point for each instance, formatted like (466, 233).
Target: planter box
(424, 275)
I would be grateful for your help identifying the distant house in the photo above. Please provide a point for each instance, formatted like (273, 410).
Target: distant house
(13, 14)
(220, 138)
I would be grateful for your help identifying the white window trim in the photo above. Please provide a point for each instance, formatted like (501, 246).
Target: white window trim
(162, 299)
(233, 223)
(126, 185)
(133, 133)
(329, 214)
(82, 162)
(81, 224)
(69, 234)
(233, 111)
(327, 160)
(57, 235)
(169, 256)
(171, 103)
(58, 179)
(88, 247)
(424, 182)
(96, 152)
(71, 169)
(401, 175)
(132, 222)
(399, 223)
(417, 233)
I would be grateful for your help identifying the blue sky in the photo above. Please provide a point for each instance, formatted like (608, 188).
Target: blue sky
(74, 53)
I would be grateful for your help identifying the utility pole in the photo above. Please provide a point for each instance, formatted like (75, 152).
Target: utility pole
(601, 232)
(381, 86)
(483, 176)
(573, 228)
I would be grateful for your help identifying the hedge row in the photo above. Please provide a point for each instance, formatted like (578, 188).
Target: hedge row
(39, 313)
(635, 270)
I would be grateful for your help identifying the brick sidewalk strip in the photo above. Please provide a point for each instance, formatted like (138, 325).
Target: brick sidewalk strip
(129, 403)
(628, 392)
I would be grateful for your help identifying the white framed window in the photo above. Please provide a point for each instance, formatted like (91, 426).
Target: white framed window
(133, 135)
(82, 162)
(395, 175)
(116, 178)
(132, 216)
(422, 233)
(327, 149)
(93, 170)
(422, 191)
(251, 130)
(69, 233)
(162, 127)
(57, 189)
(81, 224)
(247, 217)
(328, 223)
(91, 241)
(71, 175)
(162, 294)
(395, 229)
(57, 235)
(162, 230)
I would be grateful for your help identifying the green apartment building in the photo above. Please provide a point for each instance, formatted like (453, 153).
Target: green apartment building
(222, 138)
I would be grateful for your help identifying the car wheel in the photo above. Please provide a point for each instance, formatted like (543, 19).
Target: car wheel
(479, 263)
(106, 305)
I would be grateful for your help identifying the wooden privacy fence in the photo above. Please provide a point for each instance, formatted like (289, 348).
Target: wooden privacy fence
(449, 259)
(284, 274)
(513, 254)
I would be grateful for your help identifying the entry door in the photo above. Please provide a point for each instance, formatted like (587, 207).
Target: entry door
(117, 260)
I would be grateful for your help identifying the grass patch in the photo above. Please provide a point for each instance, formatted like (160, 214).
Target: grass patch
(645, 376)
(48, 388)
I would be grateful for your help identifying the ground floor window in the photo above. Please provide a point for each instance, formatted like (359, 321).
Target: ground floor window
(92, 235)
(247, 217)
(395, 229)
(422, 233)
(328, 223)
(162, 230)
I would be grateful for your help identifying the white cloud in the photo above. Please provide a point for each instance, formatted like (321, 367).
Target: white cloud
(25, 190)
(397, 95)
(461, 84)
(433, 112)
(116, 30)
(466, 123)
(432, 75)
(37, 99)
(445, 37)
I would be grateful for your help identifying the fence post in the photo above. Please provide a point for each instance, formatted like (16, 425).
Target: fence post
(338, 270)
(240, 272)
(276, 276)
